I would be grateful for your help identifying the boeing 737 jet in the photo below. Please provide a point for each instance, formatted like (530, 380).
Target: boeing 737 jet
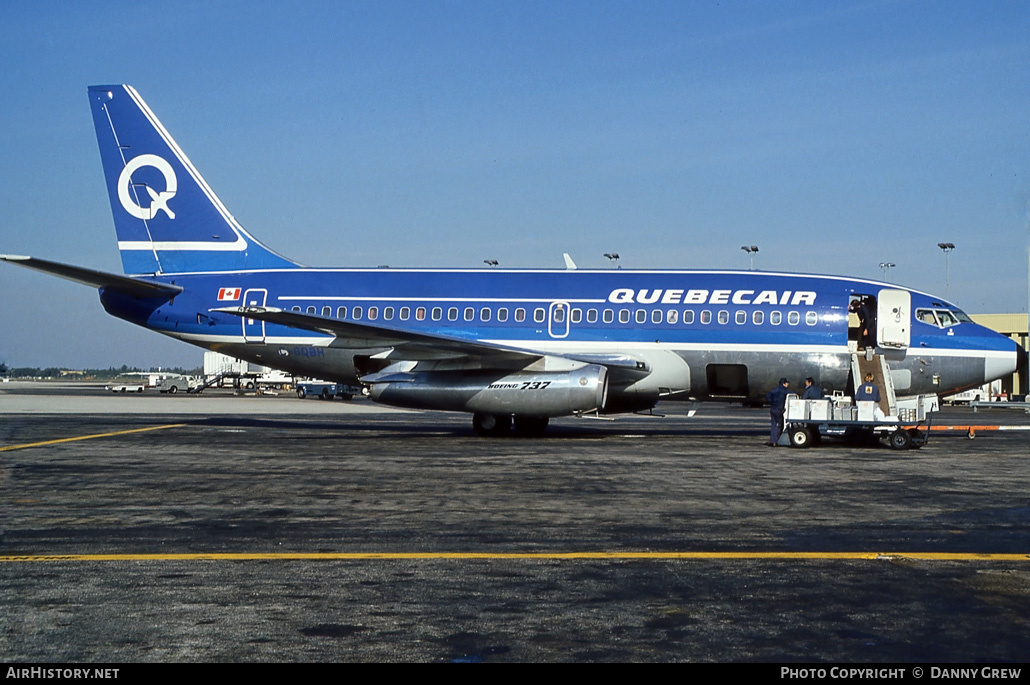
(512, 347)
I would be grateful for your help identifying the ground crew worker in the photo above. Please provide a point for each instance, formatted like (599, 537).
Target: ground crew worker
(812, 391)
(777, 399)
(868, 392)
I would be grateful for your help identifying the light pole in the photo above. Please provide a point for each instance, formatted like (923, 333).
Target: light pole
(947, 248)
(751, 251)
(613, 257)
(884, 266)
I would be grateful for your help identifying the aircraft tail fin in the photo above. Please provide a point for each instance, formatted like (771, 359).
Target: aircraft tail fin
(167, 218)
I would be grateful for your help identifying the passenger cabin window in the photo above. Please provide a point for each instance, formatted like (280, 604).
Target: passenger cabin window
(341, 312)
(405, 313)
(388, 313)
(793, 318)
(502, 314)
(311, 309)
(591, 316)
(623, 316)
(437, 313)
(811, 318)
(420, 314)
(520, 314)
(724, 316)
(609, 316)
(373, 313)
(470, 313)
(539, 314)
(641, 316)
(706, 316)
(758, 318)
(775, 318)
(688, 316)
(484, 313)
(327, 311)
(740, 318)
(357, 313)
(296, 309)
(656, 316)
(672, 316)
(452, 314)
(577, 315)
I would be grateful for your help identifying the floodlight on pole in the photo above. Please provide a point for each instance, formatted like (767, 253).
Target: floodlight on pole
(751, 251)
(613, 257)
(884, 266)
(491, 262)
(947, 248)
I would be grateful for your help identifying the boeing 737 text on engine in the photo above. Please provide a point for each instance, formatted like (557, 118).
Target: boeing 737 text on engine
(512, 347)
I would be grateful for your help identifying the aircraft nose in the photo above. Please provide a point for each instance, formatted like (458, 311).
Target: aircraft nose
(1004, 364)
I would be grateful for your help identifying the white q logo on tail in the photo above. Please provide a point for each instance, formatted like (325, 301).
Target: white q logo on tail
(158, 201)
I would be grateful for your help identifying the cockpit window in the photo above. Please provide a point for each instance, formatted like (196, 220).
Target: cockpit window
(927, 316)
(942, 318)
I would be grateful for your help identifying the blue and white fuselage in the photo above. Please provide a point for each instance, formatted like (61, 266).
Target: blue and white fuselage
(686, 325)
(502, 344)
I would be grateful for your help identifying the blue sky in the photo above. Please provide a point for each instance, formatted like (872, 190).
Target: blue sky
(834, 136)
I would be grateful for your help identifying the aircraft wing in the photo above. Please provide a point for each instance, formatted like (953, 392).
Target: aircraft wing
(133, 287)
(415, 346)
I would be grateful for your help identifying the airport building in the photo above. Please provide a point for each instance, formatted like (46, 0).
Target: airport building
(1015, 327)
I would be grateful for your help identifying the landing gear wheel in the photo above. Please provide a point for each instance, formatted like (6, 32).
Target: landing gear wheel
(529, 426)
(800, 437)
(900, 440)
(491, 424)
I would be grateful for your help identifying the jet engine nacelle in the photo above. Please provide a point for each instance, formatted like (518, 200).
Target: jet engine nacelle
(523, 393)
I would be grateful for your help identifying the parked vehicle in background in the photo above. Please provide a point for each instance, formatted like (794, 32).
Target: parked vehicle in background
(220, 369)
(989, 392)
(129, 382)
(326, 390)
(172, 383)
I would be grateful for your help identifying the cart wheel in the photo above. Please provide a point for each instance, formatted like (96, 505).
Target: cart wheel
(901, 440)
(800, 437)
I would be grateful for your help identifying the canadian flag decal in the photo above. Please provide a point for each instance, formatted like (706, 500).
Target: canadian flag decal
(228, 294)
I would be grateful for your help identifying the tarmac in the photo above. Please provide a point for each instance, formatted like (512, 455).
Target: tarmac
(222, 528)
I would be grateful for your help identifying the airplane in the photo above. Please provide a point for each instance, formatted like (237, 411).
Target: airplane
(513, 347)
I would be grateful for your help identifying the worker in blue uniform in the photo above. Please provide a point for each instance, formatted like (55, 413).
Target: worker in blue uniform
(812, 391)
(777, 399)
(868, 392)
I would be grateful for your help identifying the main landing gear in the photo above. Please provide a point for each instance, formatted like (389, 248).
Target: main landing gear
(500, 425)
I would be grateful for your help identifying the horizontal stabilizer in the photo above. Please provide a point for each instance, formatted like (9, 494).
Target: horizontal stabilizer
(133, 287)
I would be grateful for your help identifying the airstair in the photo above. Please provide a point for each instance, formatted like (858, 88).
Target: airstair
(880, 369)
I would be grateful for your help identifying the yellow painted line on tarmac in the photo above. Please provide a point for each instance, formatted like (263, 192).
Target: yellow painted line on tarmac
(529, 556)
(27, 445)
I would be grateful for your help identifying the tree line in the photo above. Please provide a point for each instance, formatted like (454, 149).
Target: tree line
(88, 374)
